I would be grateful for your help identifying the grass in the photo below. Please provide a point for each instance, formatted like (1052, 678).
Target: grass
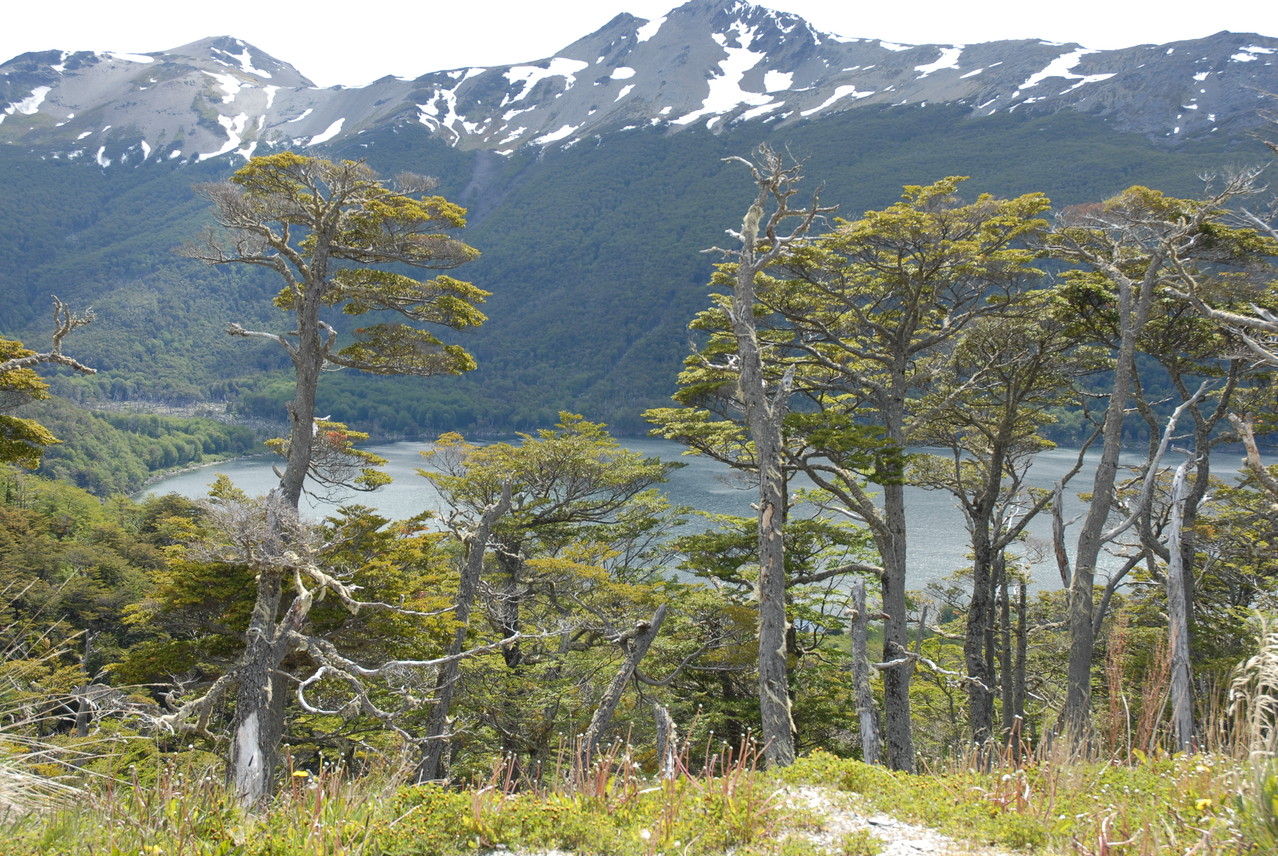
(1050, 802)
(1185, 804)
(1055, 805)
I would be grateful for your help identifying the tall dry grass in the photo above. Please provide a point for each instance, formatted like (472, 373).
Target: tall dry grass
(1254, 705)
(28, 652)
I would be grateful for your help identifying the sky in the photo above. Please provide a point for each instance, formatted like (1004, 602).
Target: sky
(352, 44)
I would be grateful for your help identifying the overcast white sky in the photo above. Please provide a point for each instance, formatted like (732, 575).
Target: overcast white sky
(355, 43)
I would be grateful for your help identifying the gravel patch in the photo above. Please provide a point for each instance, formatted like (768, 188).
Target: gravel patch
(838, 814)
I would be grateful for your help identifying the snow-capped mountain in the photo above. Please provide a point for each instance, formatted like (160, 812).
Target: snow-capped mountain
(709, 63)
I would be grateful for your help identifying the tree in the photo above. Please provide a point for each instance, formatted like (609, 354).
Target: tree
(870, 313)
(21, 440)
(336, 235)
(762, 402)
(569, 524)
(1130, 251)
(987, 410)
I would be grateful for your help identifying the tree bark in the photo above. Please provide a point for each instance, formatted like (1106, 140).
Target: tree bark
(636, 647)
(976, 653)
(763, 416)
(259, 701)
(1022, 655)
(667, 743)
(896, 637)
(434, 763)
(1133, 309)
(1006, 679)
(1182, 717)
(871, 743)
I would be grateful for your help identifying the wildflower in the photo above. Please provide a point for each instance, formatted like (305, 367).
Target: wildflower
(1203, 803)
(301, 774)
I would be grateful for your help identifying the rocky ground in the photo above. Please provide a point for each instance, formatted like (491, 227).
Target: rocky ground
(836, 815)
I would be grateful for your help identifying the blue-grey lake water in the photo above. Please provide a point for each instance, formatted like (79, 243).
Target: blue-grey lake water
(938, 541)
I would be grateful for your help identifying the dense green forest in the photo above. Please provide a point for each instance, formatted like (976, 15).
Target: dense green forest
(592, 255)
(113, 453)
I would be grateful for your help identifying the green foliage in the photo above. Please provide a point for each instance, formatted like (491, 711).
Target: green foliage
(199, 602)
(109, 453)
(862, 842)
(342, 213)
(22, 441)
(70, 560)
(1257, 808)
(335, 459)
(578, 555)
(593, 252)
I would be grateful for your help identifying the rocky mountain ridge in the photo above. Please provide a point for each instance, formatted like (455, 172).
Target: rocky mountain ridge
(708, 63)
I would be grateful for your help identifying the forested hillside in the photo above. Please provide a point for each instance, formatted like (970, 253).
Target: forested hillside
(592, 255)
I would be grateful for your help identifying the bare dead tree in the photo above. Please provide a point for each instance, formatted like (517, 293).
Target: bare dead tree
(64, 321)
(763, 239)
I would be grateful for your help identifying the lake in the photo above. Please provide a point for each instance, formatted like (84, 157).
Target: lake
(938, 539)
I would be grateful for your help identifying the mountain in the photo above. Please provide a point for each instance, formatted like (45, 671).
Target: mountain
(708, 63)
(594, 180)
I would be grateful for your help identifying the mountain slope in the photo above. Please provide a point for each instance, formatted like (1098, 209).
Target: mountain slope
(592, 241)
(708, 63)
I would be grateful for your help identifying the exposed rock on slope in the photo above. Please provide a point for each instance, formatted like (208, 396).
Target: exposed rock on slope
(709, 62)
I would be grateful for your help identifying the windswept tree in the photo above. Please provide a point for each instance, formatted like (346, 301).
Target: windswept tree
(335, 234)
(1129, 253)
(563, 533)
(745, 382)
(339, 238)
(872, 312)
(23, 440)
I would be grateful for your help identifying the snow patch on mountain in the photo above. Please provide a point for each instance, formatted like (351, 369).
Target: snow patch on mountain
(530, 75)
(778, 81)
(234, 127)
(555, 136)
(949, 58)
(840, 92)
(30, 105)
(129, 57)
(650, 29)
(328, 133)
(725, 89)
(1251, 53)
(1062, 67)
(243, 60)
(230, 85)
